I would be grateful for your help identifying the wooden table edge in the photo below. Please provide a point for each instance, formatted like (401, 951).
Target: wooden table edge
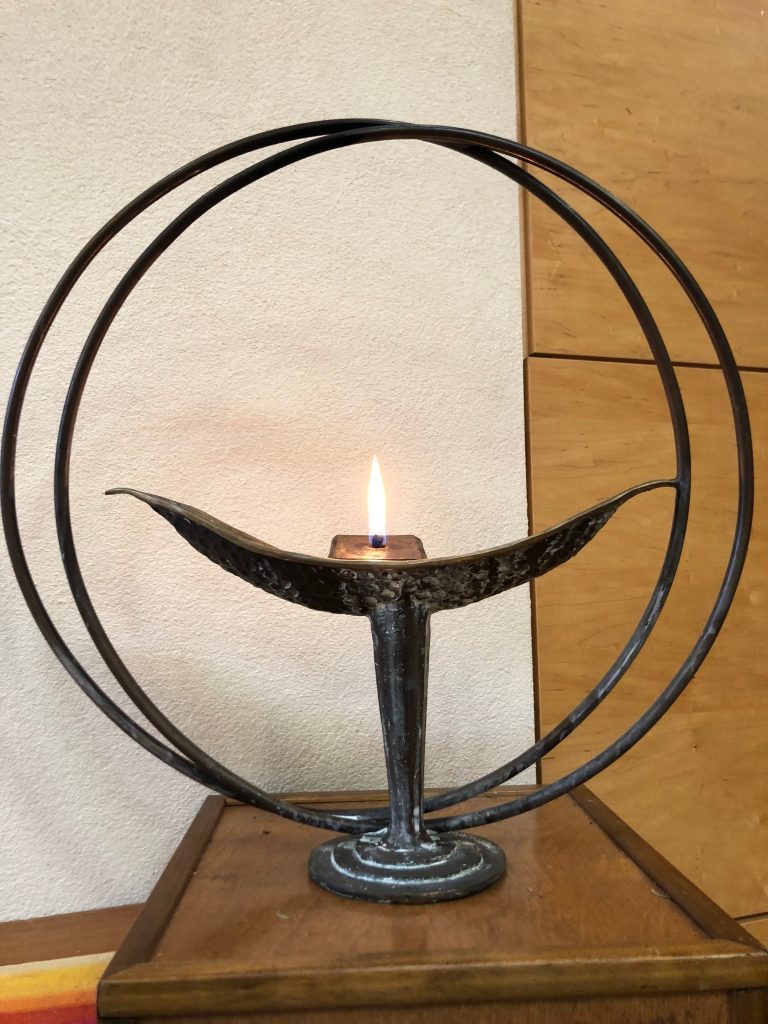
(185, 987)
(702, 910)
(142, 938)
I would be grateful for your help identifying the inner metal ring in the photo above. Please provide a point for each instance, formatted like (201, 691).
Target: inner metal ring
(220, 774)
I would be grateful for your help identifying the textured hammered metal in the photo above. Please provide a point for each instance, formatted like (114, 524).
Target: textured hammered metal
(357, 587)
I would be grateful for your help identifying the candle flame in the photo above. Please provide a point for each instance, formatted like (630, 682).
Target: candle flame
(377, 507)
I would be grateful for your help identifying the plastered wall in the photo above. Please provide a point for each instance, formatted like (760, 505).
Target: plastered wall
(368, 301)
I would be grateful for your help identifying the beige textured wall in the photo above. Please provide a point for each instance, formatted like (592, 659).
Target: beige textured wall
(368, 301)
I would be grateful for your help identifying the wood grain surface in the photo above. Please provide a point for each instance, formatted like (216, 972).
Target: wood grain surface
(702, 1008)
(65, 935)
(697, 786)
(442, 930)
(574, 916)
(710, 917)
(664, 104)
(758, 927)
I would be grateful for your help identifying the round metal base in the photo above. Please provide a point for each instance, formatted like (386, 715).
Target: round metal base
(447, 866)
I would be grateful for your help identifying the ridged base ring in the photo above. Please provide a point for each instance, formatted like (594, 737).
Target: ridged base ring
(447, 866)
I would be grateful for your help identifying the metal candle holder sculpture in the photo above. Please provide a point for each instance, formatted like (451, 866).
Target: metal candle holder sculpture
(405, 861)
(390, 854)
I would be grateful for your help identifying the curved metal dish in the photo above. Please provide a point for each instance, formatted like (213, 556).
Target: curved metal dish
(356, 587)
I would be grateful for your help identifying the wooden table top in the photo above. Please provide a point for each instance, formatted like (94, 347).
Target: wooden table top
(586, 907)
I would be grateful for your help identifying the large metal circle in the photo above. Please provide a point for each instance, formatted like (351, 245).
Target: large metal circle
(222, 776)
(218, 772)
(343, 133)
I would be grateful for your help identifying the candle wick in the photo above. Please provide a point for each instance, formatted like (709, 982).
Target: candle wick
(377, 541)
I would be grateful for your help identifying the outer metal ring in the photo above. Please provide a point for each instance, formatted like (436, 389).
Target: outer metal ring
(476, 145)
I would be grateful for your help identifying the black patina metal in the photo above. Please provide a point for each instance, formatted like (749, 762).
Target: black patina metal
(357, 586)
(403, 862)
(220, 773)
(187, 757)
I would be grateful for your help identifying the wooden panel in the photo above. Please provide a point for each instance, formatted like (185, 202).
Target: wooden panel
(749, 1007)
(246, 932)
(665, 105)
(65, 935)
(696, 787)
(702, 1008)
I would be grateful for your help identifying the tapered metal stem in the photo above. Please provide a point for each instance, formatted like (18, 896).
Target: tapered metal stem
(401, 655)
(405, 862)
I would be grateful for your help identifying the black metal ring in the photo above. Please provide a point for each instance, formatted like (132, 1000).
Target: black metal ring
(219, 773)
(455, 139)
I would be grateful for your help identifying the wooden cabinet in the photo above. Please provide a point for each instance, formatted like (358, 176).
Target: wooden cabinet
(665, 105)
(697, 786)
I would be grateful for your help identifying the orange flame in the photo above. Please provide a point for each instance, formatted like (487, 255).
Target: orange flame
(377, 507)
